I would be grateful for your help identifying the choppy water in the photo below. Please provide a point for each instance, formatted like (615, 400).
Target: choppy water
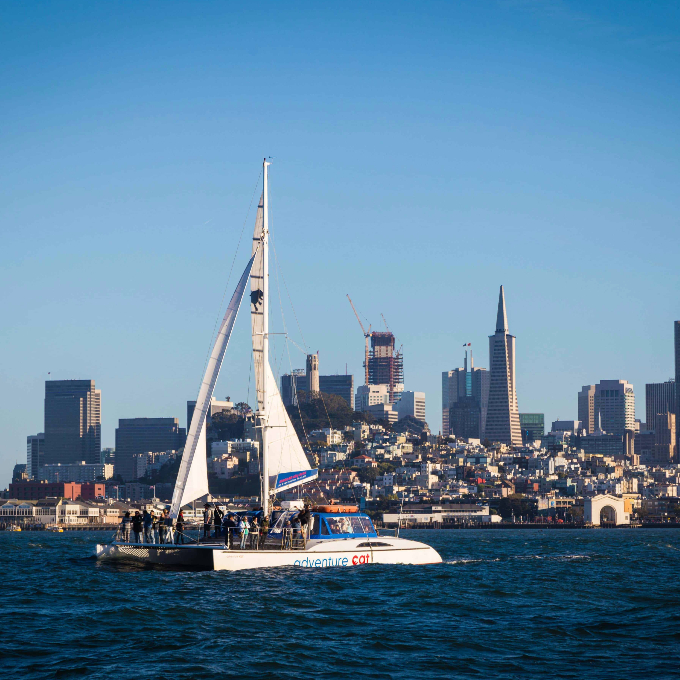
(505, 604)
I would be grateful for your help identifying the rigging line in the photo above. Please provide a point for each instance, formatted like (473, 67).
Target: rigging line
(277, 269)
(283, 278)
(226, 287)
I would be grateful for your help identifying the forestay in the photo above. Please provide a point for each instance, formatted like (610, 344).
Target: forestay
(192, 480)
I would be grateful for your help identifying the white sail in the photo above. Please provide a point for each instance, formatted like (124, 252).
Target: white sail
(287, 463)
(192, 480)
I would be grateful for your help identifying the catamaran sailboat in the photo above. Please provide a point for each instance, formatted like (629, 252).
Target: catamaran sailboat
(337, 535)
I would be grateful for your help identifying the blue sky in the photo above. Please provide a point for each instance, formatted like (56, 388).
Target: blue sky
(424, 153)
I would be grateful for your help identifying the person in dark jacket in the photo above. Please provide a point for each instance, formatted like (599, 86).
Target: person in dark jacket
(125, 527)
(305, 517)
(264, 530)
(147, 523)
(137, 526)
(207, 520)
(229, 526)
(217, 520)
(179, 528)
(160, 527)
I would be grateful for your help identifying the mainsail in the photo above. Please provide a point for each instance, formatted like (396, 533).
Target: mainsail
(192, 480)
(287, 464)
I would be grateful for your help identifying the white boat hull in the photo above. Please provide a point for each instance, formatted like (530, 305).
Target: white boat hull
(350, 552)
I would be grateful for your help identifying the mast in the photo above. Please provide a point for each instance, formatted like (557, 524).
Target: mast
(265, 337)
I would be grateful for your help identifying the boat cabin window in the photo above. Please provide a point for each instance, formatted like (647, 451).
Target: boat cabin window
(350, 525)
(374, 544)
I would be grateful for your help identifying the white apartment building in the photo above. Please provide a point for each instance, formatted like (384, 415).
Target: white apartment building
(370, 395)
(411, 404)
(244, 449)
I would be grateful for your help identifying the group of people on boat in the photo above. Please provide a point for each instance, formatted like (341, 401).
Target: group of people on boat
(239, 530)
(149, 527)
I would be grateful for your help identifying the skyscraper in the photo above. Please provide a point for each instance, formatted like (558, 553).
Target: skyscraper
(533, 426)
(35, 452)
(471, 385)
(341, 385)
(502, 418)
(586, 408)
(142, 435)
(659, 398)
(614, 406)
(72, 422)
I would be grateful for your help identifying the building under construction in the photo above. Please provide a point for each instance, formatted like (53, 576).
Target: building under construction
(382, 365)
(385, 366)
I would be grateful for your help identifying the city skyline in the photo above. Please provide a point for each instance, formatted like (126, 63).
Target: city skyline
(419, 161)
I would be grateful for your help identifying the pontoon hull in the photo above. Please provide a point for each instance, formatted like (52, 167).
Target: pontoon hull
(321, 554)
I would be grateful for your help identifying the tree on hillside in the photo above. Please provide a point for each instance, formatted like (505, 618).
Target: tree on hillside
(320, 410)
(226, 425)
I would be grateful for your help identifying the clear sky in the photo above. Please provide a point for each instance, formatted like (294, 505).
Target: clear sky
(424, 153)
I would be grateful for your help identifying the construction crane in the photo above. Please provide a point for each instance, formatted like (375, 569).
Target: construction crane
(385, 322)
(367, 335)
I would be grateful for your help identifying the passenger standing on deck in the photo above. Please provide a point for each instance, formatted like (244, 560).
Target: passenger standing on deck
(227, 524)
(160, 527)
(264, 530)
(125, 527)
(243, 526)
(137, 527)
(218, 520)
(147, 522)
(179, 528)
(305, 517)
(254, 533)
(207, 520)
(287, 535)
(297, 530)
(167, 521)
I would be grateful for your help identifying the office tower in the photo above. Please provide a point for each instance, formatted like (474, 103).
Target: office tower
(35, 452)
(677, 381)
(72, 422)
(465, 418)
(532, 426)
(340, 385)
(502, 418)
(613, 407)
(411, 404)
(141, 435)
(665, 450)
(470, 385)
(312, 374)
(659, 398)
(385, 366)
(291, 384)
(586, 408)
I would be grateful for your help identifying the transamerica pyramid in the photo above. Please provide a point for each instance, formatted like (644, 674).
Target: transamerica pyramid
(502, 419)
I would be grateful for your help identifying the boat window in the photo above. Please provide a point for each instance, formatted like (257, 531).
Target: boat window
(374, 544)
(350, 525)
(324, 529)
(315, 526)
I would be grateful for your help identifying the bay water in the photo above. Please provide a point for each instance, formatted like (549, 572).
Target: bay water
(506, 603)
